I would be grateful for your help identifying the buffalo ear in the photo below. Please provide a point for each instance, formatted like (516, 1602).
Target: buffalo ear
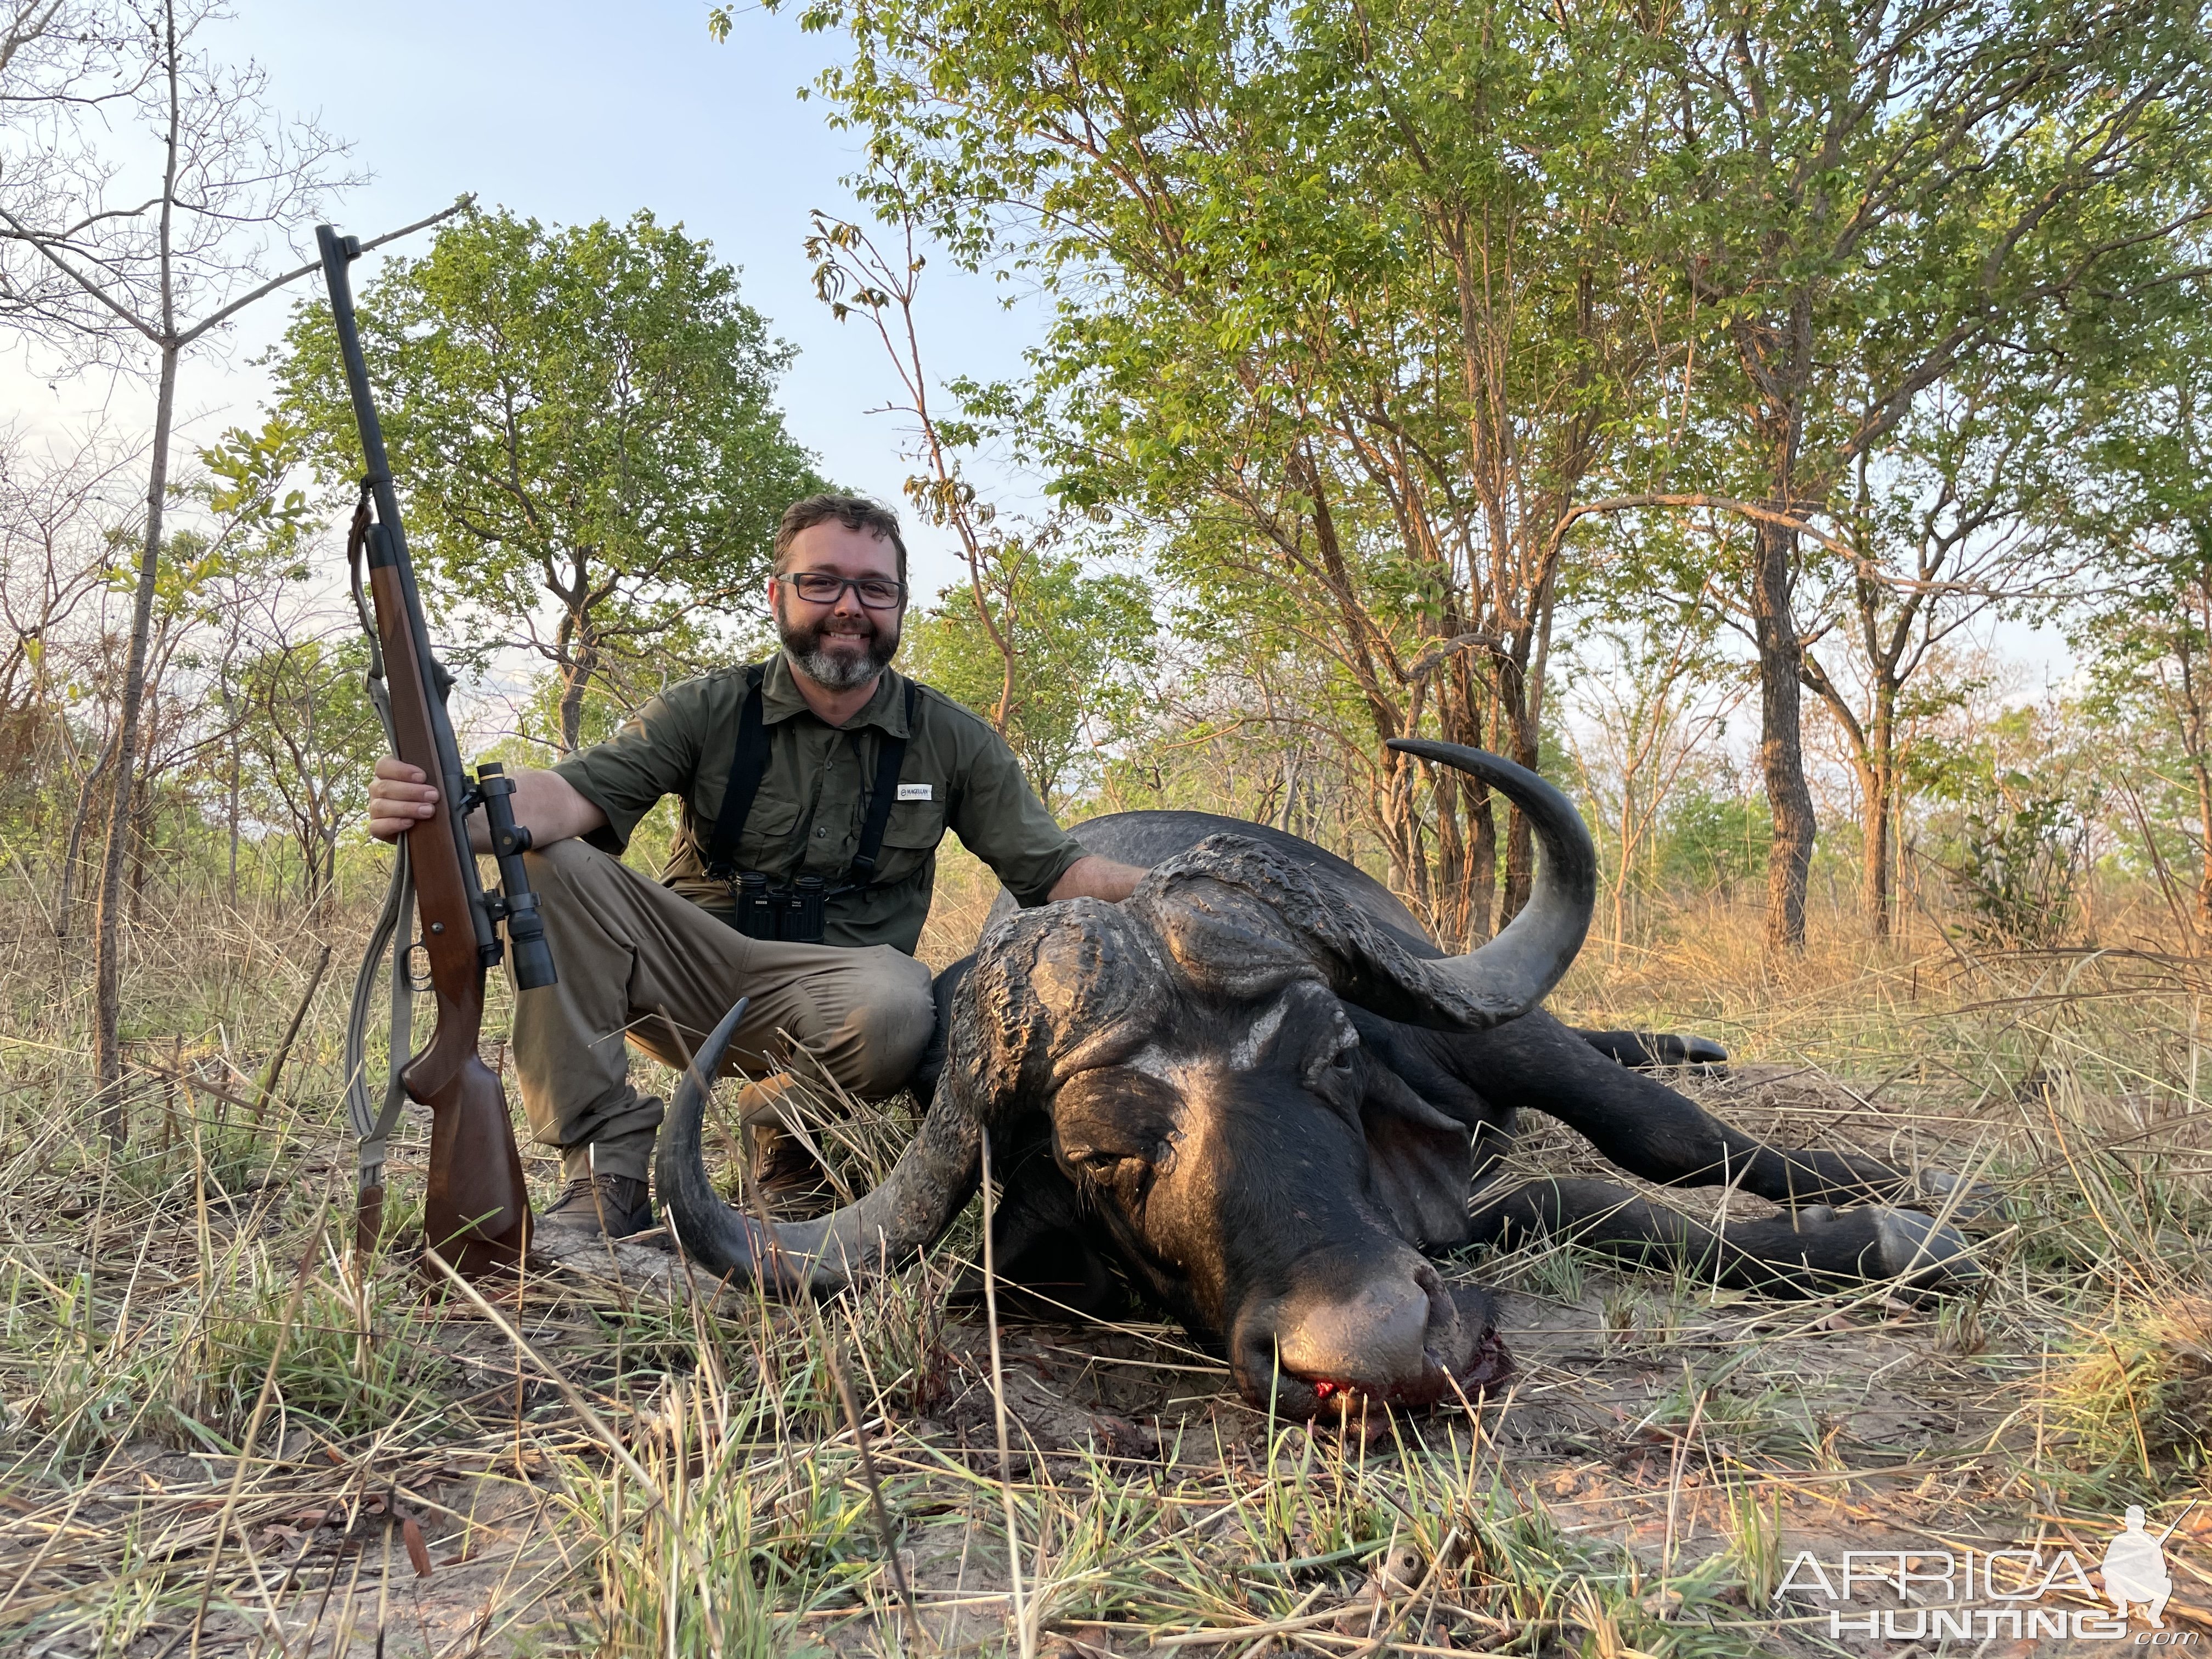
(1420, 1164)
(1043, 1243)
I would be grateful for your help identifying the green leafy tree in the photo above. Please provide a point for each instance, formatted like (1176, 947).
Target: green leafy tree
(584, 423)
(1083, 651)
(2142, 494)
(1716, 837)
(1878, 198)
(147, 184)
(1353, 305)
(1364, 308)
(2018, 800)
(1943, 531)
(1650, 702)
(310, 738)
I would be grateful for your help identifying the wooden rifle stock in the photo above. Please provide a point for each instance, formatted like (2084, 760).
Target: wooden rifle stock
(477, 1208)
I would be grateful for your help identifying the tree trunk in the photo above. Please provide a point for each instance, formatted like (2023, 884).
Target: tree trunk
(1518, 720)
(107, 931)
(230, 804)
(326, 898)
(73, 847)
(1397, 814)
(1482, 865)
(1462, 908)
(1878, 816)
(2204, 842)
(582, 662)
(141, 839)
(1467, 802)
(2189, 708)
(1780, 748)
(1521, 715)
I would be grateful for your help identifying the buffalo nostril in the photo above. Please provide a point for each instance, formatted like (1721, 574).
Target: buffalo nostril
(1444, 1311)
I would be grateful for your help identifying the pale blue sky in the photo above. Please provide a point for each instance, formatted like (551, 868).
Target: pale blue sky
(571, 111)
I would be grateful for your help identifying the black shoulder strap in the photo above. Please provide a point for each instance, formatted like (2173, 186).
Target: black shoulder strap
(891, 755)
(748, 766)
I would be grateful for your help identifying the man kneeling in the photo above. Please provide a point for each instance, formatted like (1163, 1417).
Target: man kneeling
(814, 790)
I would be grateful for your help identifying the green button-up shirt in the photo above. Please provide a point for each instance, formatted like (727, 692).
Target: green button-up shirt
(958, 775)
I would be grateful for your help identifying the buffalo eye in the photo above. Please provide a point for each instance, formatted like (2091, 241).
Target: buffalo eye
(1329, 1072)
(1125, 1172)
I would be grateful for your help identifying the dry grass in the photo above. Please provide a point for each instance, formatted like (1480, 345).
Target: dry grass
(217, 1440)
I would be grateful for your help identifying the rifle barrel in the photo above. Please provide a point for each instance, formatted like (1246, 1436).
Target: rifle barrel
(388, 545)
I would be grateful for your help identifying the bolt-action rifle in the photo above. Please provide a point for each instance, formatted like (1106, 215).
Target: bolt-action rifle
(477, 1211)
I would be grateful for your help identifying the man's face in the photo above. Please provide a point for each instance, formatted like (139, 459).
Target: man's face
(840, 644)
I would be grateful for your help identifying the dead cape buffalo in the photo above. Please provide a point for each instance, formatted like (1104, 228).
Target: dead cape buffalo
(1255, 1093)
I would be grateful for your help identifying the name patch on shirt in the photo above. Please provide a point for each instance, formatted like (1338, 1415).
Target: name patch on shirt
(917, 791)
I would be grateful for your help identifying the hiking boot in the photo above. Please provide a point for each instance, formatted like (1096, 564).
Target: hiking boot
(791, 1186)
(600, 1206)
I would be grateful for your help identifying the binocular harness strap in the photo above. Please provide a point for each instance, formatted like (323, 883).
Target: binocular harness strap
(749, 765)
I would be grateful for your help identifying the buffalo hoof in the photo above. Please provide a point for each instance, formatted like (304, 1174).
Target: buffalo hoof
(1960, 1202)
(1701, 1052)
(1922, 1254)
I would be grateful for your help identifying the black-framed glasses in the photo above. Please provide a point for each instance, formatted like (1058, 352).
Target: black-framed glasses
(822, 587)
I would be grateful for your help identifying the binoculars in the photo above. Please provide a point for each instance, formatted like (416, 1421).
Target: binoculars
(792, 913)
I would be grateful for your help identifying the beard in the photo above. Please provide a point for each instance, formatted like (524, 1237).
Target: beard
(836, 653)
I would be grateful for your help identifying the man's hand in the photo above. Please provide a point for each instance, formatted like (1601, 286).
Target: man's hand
(399, 798)
(545, 804)
(1092, 877)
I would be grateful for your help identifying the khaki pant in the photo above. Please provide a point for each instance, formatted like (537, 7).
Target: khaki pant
(627, 948)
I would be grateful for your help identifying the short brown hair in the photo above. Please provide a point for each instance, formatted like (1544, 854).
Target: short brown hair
(854, 512)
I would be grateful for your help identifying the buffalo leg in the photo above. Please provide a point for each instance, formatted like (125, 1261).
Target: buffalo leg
(1640, 1049)
(1643, 1127)
(1803, 1254)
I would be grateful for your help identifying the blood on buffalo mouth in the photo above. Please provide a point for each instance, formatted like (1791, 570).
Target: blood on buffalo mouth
(1490, 1364)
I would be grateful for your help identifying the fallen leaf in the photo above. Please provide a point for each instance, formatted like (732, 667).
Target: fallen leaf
(417, 1551)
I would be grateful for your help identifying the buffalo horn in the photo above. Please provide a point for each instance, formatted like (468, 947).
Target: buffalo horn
(1514, 972)
(932, 1179)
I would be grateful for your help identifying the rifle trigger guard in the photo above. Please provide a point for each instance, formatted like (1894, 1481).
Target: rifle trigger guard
(417, 982)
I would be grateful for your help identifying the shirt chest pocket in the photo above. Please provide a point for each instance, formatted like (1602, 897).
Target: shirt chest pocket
(910, 836)
(916, 826)
(766, 842)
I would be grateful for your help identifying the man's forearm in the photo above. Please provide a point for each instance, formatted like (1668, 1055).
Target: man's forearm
(1092, 877)
(545, 804)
